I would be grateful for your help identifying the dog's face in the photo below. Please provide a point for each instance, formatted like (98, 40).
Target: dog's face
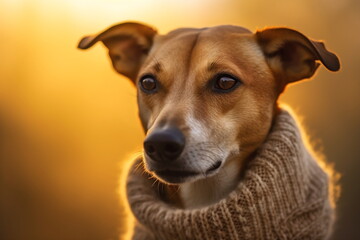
(202, 88)
(207, 96)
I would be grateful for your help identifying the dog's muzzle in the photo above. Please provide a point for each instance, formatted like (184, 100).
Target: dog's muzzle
(167, 159)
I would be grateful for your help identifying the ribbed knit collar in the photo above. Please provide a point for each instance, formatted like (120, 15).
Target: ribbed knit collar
(283, 195)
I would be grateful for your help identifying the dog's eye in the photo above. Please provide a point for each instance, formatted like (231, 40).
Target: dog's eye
(225, 83)
(148, 84)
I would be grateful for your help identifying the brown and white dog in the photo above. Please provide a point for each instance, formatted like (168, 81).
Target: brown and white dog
(207, 97)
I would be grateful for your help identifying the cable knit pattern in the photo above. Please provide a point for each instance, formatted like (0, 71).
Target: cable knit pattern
(283, 195)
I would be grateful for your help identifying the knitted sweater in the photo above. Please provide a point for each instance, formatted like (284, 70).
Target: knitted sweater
(283, 195)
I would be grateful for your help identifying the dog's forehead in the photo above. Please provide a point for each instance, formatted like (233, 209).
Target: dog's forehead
(177, 47)
(191, 35)
(216, 29)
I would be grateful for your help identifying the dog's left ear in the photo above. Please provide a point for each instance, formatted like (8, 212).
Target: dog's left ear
(292, 56)
(128, 44)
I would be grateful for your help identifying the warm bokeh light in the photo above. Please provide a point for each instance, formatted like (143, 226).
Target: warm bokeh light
(68, 122)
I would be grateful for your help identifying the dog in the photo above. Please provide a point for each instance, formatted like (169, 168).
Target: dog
(207, 97)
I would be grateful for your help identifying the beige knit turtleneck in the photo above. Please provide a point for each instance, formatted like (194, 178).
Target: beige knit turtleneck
(283, 195)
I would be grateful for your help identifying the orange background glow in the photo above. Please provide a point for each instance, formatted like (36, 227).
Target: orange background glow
(68, 122)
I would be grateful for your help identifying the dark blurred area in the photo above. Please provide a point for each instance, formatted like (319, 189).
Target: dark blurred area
(68, 122)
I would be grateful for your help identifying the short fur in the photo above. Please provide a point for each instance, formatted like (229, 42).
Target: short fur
(218, 127)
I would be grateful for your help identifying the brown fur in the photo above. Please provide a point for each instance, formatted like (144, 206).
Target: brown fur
(232, 124)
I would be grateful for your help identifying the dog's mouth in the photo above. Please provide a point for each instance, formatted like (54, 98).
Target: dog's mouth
(181, 176)
(171, 176)
(214, 167)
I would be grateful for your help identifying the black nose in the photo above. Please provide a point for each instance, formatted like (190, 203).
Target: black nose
(165, 144)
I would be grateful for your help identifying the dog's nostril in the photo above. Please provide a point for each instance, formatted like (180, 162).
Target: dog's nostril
(150, 149)
(171, 148)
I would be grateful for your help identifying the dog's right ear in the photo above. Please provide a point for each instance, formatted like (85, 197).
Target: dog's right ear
(293, 56)
(128, 44)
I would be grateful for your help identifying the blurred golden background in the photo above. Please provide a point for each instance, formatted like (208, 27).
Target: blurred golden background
(68, 122)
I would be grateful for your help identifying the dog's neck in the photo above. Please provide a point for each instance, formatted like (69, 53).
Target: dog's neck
(210, 190)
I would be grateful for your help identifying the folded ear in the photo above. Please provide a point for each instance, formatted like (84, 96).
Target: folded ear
(292, 56)
(128, 44)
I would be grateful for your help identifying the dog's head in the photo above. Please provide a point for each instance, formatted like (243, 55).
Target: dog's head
(207, 96)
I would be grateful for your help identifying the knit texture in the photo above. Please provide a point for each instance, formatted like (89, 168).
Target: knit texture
(283, 195)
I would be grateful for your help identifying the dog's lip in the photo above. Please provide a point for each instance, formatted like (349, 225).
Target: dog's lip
(175, 173)
(213, 167)
(180, 176)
